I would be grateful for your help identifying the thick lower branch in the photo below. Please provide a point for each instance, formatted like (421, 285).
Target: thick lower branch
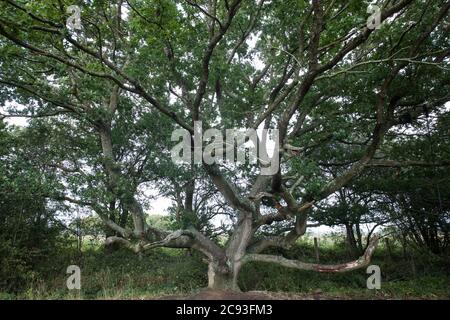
(362, 262)
(177, 239)
(135, 247)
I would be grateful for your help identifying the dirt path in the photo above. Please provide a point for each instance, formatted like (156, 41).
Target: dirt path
(208, 294)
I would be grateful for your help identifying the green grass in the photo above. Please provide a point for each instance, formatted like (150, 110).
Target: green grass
(122, 274)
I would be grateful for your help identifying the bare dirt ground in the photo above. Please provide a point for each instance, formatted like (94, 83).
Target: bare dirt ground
(208, 294)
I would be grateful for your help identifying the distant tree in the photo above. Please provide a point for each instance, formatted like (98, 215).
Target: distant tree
(358, 213)
(413, 195)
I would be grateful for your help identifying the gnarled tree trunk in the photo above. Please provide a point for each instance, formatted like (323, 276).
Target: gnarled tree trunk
(221, 278)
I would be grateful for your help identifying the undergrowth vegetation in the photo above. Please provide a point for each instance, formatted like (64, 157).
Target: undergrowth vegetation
(120, 274)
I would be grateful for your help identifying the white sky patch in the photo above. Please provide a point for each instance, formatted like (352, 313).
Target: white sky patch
(125, 12)
(321, 230)
(256, 62)
(159, 204)
(16, 121)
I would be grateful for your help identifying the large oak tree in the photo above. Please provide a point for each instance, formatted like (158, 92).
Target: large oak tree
(113, 92)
